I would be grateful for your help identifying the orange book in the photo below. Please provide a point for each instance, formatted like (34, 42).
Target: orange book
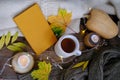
(35, 28)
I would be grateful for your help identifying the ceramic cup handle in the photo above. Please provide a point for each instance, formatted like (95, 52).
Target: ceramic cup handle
(78, 53)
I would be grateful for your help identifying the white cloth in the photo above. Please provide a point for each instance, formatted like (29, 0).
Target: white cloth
(10, 8)
(116, 4)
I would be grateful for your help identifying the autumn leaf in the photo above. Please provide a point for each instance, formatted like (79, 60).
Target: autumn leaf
(2, 41)
(82, 64)
(67, 19)
(78, 64)
(14, 38)
(56, 19)
(19, 44)
(10, 44)
(43, 71)
(85, 65)
(62, 19)
(62, 12)
(65, 15)
(14, 48)
(8, 37)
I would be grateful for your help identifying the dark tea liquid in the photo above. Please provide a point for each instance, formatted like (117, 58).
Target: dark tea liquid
(68, 45)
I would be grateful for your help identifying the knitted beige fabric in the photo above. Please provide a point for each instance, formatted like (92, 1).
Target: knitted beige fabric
(10, 8)
(116, 4)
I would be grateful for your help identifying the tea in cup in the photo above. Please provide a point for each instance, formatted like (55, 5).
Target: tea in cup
(67, 45)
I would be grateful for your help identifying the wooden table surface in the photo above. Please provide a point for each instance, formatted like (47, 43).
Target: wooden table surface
(10, 74)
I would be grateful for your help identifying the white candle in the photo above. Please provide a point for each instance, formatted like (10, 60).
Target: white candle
(95, 38)
(23, 61)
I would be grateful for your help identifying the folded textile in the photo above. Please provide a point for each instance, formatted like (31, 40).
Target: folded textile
(107, 8)
(104, 65)
(116, 4)
(10, 8)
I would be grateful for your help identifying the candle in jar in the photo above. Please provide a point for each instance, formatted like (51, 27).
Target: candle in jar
(22, 62)
(91, 39)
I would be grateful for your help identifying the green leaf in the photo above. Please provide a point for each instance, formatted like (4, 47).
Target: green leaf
(7, 40)
(2, 41)
(14, 38)
(79, 64)
(58, 31)
(19, 44)
(43, 71)
(14, 48)
(85, 65)
(62, 12)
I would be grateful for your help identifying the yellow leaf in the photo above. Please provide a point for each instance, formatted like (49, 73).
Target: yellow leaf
(56, 19)
(85, 65)
(43, 71)
(62, 19)
(67, 18)
(52, 19)
(14, 48)
(2, 41)
(58, 25)
(79, 64)
(7, 40)
(14, 38)
(19, 44)
(62, 12)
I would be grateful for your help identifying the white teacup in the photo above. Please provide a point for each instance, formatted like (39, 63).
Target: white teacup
(67, 45)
